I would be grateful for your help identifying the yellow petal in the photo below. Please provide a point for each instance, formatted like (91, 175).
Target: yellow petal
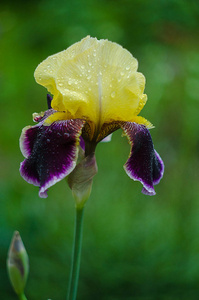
(142, 121)
(94, 79)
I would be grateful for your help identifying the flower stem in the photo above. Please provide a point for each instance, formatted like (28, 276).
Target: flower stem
(22, 297)
(74, 275)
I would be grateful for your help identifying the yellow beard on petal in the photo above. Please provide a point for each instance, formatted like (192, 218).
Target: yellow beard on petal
(95, 80)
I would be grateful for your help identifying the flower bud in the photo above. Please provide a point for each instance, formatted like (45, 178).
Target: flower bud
(17, 264)
(81, 179)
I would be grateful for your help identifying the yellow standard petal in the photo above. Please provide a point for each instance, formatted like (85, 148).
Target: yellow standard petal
(96, 80)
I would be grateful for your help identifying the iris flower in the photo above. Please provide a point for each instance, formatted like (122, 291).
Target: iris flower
(96, 90)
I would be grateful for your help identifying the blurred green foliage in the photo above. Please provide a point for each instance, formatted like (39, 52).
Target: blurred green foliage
(134, 246)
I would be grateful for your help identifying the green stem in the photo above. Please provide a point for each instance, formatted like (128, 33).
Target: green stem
(74, 275)
(22, 297)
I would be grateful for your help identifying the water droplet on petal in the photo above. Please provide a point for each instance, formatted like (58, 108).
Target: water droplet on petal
(128, 68)
(48, 140)
(66, 134)
(122, 73)
(113, 94)
(60, 84)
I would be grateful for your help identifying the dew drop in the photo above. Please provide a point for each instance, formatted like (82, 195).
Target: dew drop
(60, 84)
(94, 52)
(89, 77)
(48, 140)
(122, 73)
(59, 134)
(66, 134)
(69, 82)
(113, 94)
(90, 64)
(128, 68)
(110, 85)
(82, 67)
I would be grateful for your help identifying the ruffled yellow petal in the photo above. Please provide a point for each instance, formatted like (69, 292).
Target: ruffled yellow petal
(142, 121)
(94, 79)
(57, 116)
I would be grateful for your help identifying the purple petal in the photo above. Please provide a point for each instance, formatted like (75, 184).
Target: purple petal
(51, 152)
(82, 143)
(49, 100)
(144, 163)
(27, 141)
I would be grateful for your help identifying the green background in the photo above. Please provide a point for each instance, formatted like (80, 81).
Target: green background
(134, 246)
